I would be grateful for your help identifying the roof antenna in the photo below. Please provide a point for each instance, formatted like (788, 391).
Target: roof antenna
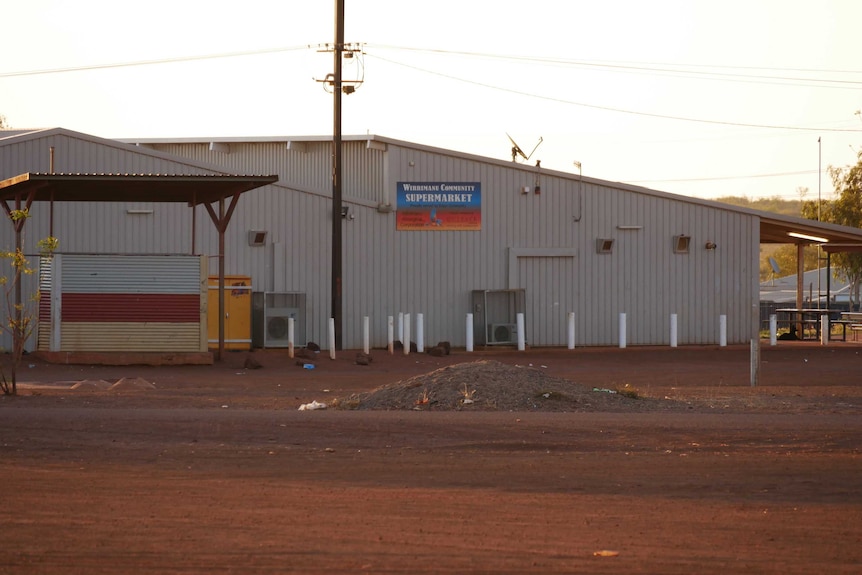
(517, 151)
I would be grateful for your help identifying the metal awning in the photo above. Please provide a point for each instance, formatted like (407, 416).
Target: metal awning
(775, 229)
(193, 190)
(831, 238)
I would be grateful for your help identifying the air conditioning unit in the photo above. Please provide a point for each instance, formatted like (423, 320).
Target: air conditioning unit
(503, 333)
(276, 325)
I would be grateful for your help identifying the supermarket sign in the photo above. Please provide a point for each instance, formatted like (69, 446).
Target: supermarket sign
(439, 206)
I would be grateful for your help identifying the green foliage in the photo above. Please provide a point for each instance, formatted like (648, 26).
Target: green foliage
(22, 317)
(774, 204)
(845, 210)
(18, 215)
(48, 245)
(783, 254)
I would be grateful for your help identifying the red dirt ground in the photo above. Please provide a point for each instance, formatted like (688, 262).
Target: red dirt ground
(216, 470)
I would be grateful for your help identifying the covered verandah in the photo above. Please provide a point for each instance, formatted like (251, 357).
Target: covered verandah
(220, 190)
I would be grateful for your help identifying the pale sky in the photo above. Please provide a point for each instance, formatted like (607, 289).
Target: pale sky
(696, 97)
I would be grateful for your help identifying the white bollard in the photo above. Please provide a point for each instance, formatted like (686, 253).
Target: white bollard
(406, 340)
(290, 337)
(673, 330)
(469, 332)
(571, 330)
(622, 330)
(420, 336)
(401, 327)
(366, 335)
(755, 361)
(722, 330)
(332, 338)
(773, 329)
(390, 334)
(824, 329)
(522, 342)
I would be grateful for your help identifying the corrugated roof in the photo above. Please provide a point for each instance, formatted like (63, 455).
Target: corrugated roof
(774, 228)
(192, 189)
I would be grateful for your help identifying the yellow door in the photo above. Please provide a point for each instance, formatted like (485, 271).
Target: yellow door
(237, 317)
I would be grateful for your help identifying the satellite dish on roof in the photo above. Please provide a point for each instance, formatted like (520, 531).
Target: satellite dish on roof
(775, 269)
(774, 265)
(517, 151)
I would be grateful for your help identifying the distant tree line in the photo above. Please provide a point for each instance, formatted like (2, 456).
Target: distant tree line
(845, 208)
(783, 254)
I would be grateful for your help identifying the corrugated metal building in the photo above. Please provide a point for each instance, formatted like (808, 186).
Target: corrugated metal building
(572, 244)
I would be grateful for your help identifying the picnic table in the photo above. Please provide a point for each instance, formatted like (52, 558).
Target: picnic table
(853, 320)
(809, 319)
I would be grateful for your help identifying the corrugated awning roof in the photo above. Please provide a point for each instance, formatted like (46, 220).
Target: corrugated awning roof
(191, 189)
(776, 229)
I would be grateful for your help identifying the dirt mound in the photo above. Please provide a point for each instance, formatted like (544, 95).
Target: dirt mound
(92, 385)
(132, 383)
(494, 386)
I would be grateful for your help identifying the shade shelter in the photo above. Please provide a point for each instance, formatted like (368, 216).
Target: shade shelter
(19, 192)
(831, 238)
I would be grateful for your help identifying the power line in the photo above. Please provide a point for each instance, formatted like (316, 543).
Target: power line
(641, 66)
(610, 109)
(698, 71)
(716, 179)
(149, 62)
(614, 62)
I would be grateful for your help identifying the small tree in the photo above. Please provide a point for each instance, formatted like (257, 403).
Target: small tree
(21, 317)
(846, 210)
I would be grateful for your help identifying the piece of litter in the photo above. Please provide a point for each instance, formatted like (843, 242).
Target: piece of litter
(606, 553)
(313, 405)
(308, 366)
(604, 390)
(468, 400)
(224, 407)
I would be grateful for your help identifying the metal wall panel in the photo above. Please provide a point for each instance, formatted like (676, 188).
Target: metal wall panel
(131, 274)
(433, 272)
(130, 336)
(305, 165)
(142, 307)
(124, 303)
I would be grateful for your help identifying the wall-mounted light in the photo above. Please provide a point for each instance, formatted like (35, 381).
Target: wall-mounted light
(628, 227)
(137, 212)
(345, 213)
(817, 239)
(710, 245)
